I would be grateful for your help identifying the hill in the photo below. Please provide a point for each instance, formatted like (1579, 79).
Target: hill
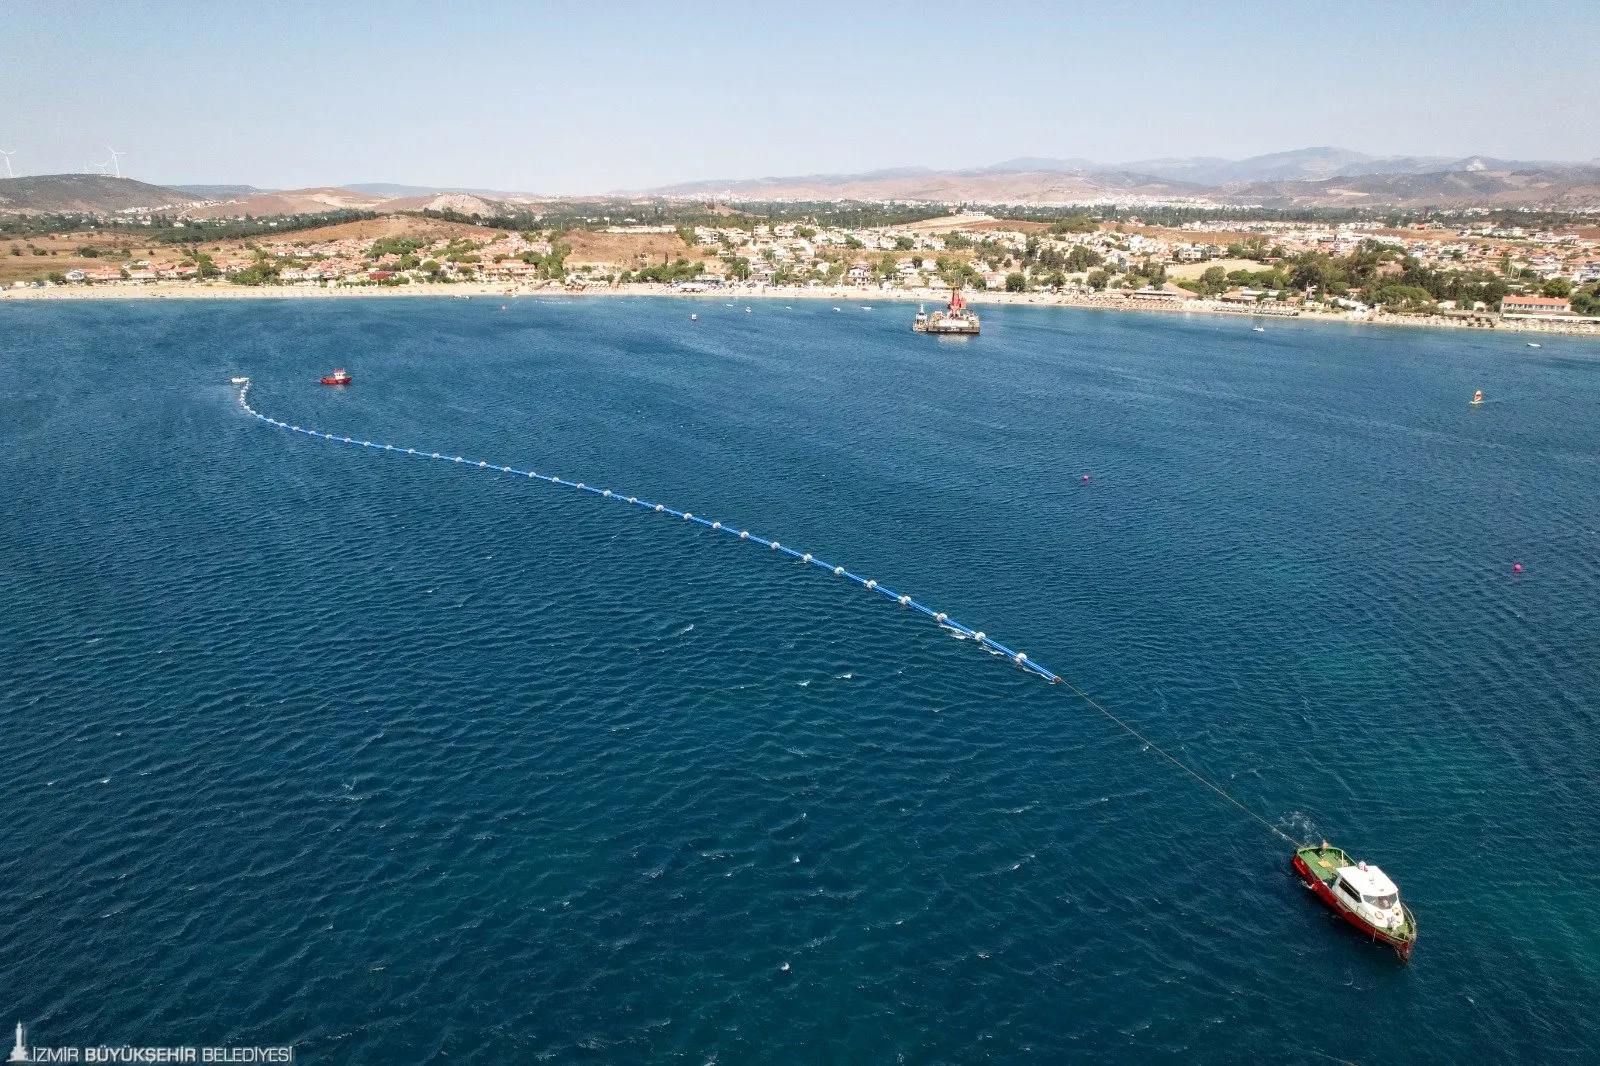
(389, 189)
(1561, 187)
(220, 192)
(293, 202)
(84, 193)
(1046, 186)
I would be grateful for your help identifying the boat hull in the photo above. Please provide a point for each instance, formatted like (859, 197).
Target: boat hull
(1401, 945)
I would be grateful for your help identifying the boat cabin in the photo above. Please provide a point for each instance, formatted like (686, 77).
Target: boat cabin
(1364, 887)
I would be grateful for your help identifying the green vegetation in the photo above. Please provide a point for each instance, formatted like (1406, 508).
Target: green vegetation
(956, 273)
(1389, 278)
(1216, 280)
(1586, 301)
(551, 265)
(603, 212)
(1148, 274)
(1254, 247)
(679, 269)
(400, 246)
(1074, 224)
(1380, 274)
(1016, 281)
(1213, 282)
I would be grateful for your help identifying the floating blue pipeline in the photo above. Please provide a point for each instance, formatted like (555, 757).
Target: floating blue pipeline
(944, 620)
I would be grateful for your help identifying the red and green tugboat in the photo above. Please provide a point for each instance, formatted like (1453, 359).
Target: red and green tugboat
(1362, 893)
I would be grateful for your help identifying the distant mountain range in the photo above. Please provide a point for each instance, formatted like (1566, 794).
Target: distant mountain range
(220, 192)
(1302, 164)
(1307, 177)
(1323, 177)
(388, 189)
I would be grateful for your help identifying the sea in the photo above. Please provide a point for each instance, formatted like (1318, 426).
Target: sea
(400, 761)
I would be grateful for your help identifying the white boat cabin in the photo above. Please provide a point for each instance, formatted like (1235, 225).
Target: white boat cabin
(1367, 891)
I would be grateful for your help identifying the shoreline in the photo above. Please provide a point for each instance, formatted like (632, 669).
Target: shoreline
(228, 291)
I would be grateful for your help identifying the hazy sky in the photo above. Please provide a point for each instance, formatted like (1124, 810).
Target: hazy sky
(590, 97)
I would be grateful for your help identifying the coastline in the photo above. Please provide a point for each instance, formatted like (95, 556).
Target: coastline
(489, 290)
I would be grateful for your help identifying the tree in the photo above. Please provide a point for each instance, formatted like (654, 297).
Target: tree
(1586, 301)
(1098, 279)
(1082, 257)
(1016, 281)
(1075, 224)
(904, 244)
(1404, 298)
(1212, 282)
(555, 264)
(1557, 288)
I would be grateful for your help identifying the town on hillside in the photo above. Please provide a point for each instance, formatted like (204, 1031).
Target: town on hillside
(1470, 271)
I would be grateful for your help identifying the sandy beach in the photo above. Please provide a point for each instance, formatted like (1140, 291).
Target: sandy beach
(1112, 302)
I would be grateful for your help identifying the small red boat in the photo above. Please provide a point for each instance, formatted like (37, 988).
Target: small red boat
(1363, 894)
(340, 377)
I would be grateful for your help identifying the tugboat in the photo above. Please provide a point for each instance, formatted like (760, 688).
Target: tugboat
(956, 318)
(1363, 894)
(339, 377)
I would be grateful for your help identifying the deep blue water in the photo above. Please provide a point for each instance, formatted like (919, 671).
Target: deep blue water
(400, 762)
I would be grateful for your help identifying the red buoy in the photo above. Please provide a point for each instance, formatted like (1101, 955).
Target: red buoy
(1086, 477)
(1516, 568)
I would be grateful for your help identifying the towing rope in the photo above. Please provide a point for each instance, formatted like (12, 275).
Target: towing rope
(945, 622)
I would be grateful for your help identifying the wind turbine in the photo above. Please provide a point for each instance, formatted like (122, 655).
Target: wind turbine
(101, 167)
(115, 162)
(9, 172)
